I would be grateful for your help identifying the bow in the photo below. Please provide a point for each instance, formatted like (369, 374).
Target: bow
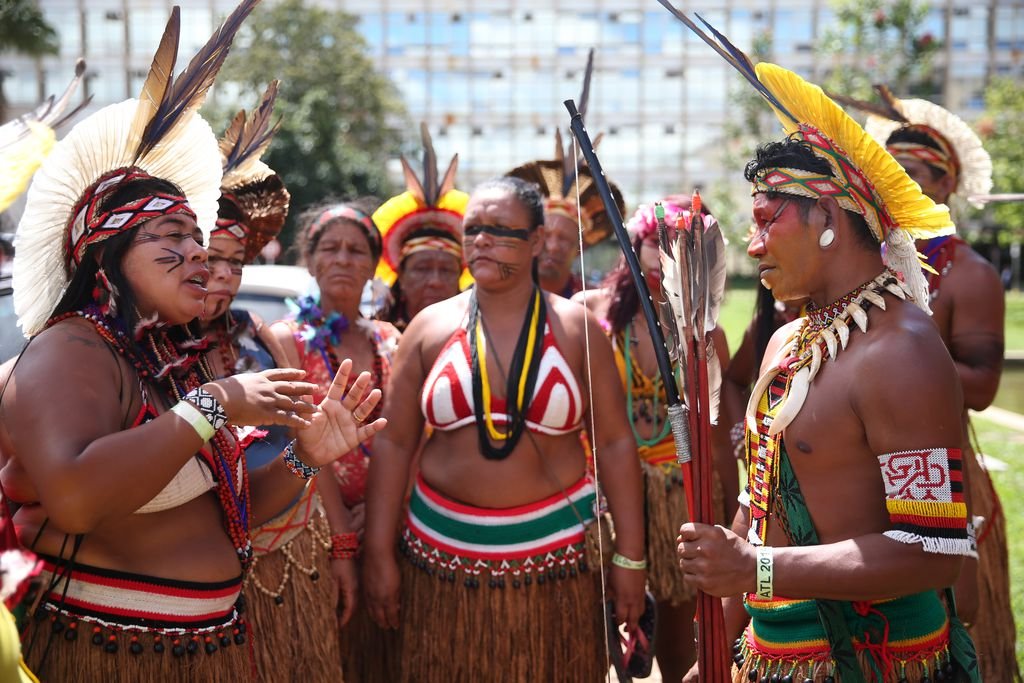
(713, 660)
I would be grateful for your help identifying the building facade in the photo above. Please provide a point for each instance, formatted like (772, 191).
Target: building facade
(489, 77)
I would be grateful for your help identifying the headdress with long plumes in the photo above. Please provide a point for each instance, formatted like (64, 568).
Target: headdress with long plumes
(962, 150)
(160, 135)
(25, 141)
(258, 194)
(865, 178)
(558, 179)
(427, 216)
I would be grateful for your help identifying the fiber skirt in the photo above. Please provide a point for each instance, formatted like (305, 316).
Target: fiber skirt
(95, 624)
(500, 594)
(291, 597)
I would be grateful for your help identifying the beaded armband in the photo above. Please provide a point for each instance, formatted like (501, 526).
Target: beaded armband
(924, 495)
(206, 404)
(344, 546)
(297, 467)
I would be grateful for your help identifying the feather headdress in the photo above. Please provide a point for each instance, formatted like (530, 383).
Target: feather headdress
(25, 141)
(865, 178)
(427, 215)
(972, 164)
(159, 135)
(562, 179)
(256, 194)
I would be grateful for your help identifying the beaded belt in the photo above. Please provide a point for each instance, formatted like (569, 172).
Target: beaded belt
(112, 602)
(545, 539)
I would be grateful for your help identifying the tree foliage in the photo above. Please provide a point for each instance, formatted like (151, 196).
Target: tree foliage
(1002, 129)
(880, 41)
(341, 118)
(23, 29)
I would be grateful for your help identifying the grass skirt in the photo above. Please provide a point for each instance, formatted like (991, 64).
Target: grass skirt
(292, 615)
(993, 630)
(368, 652)
(665, 511)
(106, 626)
(500, 595)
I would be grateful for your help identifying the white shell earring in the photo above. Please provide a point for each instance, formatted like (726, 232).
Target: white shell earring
(828, 236)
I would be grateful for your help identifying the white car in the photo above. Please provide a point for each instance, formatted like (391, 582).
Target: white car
(265, 288)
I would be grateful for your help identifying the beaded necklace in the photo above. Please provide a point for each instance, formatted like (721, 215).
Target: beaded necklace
(177, 367)
(640, 385)
(780, 392)
(520, 383)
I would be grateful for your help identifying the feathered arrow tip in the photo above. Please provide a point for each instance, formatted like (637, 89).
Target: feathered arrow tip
(693, 286)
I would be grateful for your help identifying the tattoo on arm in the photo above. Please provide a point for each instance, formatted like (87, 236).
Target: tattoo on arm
(176, 258)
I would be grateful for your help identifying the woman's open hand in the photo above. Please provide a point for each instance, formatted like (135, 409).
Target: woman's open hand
(336, 425)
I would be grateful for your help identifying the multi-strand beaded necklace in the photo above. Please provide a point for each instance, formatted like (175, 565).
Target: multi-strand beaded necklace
(177, 367)
(780, 392)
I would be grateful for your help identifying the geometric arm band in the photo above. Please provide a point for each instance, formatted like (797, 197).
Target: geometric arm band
(924, 496)
(206, 404)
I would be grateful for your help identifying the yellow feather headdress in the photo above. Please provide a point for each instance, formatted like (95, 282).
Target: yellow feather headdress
(866, 178)
(256, 192)
(25, 141)
(160, 135)
(432, 204)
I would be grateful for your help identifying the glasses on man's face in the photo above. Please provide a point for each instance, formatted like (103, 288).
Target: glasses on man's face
(761, 231)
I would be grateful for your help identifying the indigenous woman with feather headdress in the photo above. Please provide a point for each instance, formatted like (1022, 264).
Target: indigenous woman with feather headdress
(120, 447)
(291, 609)
(665, 505)
(494, 582)
(421, 229)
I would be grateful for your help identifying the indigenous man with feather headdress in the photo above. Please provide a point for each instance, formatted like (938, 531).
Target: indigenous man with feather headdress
(855, 517)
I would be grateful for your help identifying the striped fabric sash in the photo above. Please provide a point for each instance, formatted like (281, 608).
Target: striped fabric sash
(549, 534)
(124, 601)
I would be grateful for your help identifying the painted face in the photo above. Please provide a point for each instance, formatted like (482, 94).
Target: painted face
(226, 256)
(561, 244)
(785, 247)
(934, 184)
(428, 277)
(166, 268)
(342, 261)
(498, 243)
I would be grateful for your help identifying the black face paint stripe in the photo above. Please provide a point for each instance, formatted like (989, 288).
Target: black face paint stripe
(497, 231)
(176, 258)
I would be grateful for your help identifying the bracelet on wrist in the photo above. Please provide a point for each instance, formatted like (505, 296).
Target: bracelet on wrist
(626, 563)
(196, 419)
(208, 406)
(344, 546)
(765, 586)
(296, 466)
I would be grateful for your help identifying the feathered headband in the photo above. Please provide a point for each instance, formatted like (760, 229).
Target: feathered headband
(25, 141)
(562, 179)
(258, 195)
(427, 216)
(160, 135)
(959, 152)
(865, 178)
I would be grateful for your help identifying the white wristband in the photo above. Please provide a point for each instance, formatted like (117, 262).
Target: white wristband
(765, 573)
(191, 414)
